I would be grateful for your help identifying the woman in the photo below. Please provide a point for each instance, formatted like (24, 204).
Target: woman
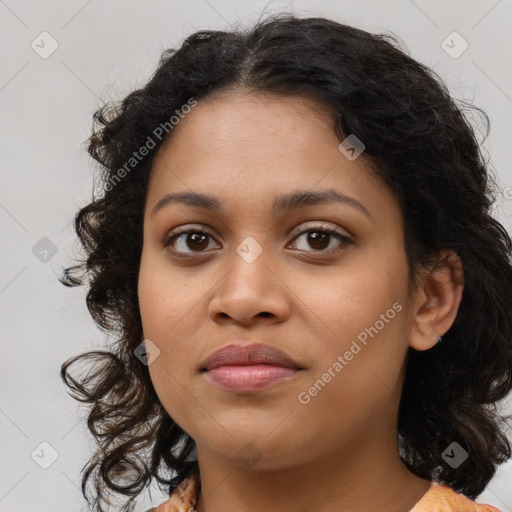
(293, 248)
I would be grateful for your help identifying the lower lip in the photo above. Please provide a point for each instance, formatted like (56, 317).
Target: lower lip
(249, 378)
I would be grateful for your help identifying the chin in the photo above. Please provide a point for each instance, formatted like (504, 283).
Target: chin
(258, 453)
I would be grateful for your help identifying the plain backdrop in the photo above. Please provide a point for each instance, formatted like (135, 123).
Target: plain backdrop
(59, 61)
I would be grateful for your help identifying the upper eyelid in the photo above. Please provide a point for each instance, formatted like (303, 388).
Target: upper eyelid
(320, 226)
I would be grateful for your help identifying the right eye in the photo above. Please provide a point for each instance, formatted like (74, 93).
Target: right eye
(195, 240)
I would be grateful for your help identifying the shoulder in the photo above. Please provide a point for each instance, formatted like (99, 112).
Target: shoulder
(442, 498)
(439, 498)
(182, 499)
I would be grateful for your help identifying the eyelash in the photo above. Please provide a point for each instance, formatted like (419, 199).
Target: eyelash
(319, 229)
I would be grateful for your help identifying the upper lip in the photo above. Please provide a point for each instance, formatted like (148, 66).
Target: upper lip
(244, 355)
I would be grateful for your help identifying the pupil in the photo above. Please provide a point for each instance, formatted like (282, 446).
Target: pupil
(195, 238)
(317, 238)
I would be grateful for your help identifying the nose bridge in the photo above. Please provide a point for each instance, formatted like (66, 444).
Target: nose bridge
(250, 261)
(249, 287)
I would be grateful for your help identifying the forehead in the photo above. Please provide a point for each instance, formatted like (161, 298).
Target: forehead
(250, 147)
(239, 121)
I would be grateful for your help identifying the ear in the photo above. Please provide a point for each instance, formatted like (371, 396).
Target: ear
(437, 301)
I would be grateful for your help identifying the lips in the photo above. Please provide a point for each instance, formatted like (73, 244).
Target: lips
(245, 355)
(248, 368)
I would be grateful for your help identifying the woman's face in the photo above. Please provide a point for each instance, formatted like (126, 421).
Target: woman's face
(337, 306)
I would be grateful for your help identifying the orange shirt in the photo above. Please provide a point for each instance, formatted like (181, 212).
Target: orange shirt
(438, 498)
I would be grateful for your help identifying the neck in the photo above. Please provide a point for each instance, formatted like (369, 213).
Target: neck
(357, 478)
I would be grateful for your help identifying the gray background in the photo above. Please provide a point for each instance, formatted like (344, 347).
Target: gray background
(106, 49)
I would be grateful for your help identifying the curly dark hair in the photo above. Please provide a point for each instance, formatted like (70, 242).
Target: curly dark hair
(421, 143)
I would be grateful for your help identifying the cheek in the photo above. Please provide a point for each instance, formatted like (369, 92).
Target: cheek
(363, 322)
(164, 295)
(161, 315)
(360, 315)
(353, 297)
(167, 301)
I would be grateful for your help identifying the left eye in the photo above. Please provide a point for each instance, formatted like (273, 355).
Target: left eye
(320, 239)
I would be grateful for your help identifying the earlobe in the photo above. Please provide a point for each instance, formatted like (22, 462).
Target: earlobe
(437, 301)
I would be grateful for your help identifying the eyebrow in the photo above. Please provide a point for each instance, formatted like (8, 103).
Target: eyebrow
(280, 205)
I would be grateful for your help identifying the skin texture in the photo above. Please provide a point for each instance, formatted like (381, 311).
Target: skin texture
(338, 451)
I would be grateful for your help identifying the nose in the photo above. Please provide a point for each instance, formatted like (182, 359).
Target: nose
(251, 292)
